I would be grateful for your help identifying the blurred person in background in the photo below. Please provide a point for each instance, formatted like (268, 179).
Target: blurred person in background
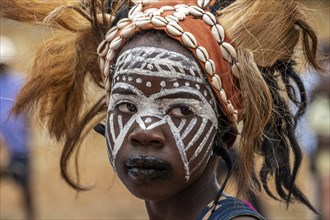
(14, 132)
(318, 115)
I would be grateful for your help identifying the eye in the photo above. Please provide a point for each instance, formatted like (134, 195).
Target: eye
(180, 111)
(127, 107)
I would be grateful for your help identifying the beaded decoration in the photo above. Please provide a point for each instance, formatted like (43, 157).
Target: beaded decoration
(138, 18)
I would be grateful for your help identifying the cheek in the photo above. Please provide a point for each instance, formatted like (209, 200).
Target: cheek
(200, 147)
(194, 138)
(198, 136)
(117, 128)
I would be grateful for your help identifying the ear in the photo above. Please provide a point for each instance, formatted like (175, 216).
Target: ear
(100, 129)
(229, 135)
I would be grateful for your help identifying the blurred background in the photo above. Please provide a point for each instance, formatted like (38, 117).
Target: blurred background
(51, 198)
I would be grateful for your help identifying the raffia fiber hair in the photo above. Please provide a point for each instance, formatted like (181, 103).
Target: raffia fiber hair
(266, 35)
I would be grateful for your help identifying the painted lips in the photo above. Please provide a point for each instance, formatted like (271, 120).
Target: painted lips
(148, 167)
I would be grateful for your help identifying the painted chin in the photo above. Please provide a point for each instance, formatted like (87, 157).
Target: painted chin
(142, 169)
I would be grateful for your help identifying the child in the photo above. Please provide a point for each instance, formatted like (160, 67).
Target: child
(14, 132)
(178, 78)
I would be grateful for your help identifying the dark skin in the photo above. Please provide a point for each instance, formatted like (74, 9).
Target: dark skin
(188, 203)
(176, 198)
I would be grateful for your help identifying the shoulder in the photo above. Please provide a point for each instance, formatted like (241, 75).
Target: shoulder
(244, 218)
(232, 208)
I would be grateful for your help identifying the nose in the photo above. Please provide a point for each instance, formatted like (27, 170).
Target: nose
(148, 138)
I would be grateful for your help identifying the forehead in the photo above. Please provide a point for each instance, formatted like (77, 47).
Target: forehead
(152, 69)
(157, 61)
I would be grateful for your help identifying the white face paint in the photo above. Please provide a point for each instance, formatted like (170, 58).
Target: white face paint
(179, 102)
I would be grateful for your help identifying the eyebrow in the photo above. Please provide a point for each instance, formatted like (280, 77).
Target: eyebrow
(124, 91)
(185, 95)
(180, 94)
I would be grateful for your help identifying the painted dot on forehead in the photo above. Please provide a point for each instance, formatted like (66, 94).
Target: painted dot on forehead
(130, 78)
(138, 80)
(148, 120)
(176, 84)
(205, 93)
(148, 84)
(150, 66)
(162, 83)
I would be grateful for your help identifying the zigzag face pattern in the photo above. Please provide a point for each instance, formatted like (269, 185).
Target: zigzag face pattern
(193, 135)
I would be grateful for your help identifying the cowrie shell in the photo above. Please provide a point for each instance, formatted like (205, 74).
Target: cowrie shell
(170, 18)
(115, 44)
(203, 3)
(178, 6)
(216, 82)
(127, 31)
(107, 68)
(149, 11)
(134, 10)
(142, 22)
(189, 40)
(110, 55)
(111, 34)
(167, 8)
(101, 64)
(183, 10)
(174, 28)
(157, 13)
(234, 117)
(196, 11)
(107, 84)
(210, 67)
(236, 70)
(209, 18)
(158, 21)
(230, 107)
(102, 49)
(122, 23)
(228, 51)
(218, 32)
(202, 54)
(137, 15)
(223, 95)
(180, 15)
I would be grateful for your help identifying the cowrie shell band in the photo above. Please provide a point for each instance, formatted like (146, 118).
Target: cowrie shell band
(169, 18)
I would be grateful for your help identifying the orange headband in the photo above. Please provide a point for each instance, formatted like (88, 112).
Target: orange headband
(195, 27)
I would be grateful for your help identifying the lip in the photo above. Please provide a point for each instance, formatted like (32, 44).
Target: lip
(148, 168)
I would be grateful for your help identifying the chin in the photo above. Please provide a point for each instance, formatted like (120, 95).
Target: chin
(150, 189)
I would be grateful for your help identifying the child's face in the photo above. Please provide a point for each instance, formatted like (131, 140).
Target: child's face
(161, 122)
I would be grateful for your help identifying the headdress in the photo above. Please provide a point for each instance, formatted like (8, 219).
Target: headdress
(195, 27)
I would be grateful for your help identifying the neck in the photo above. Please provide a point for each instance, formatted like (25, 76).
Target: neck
(188, 203)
